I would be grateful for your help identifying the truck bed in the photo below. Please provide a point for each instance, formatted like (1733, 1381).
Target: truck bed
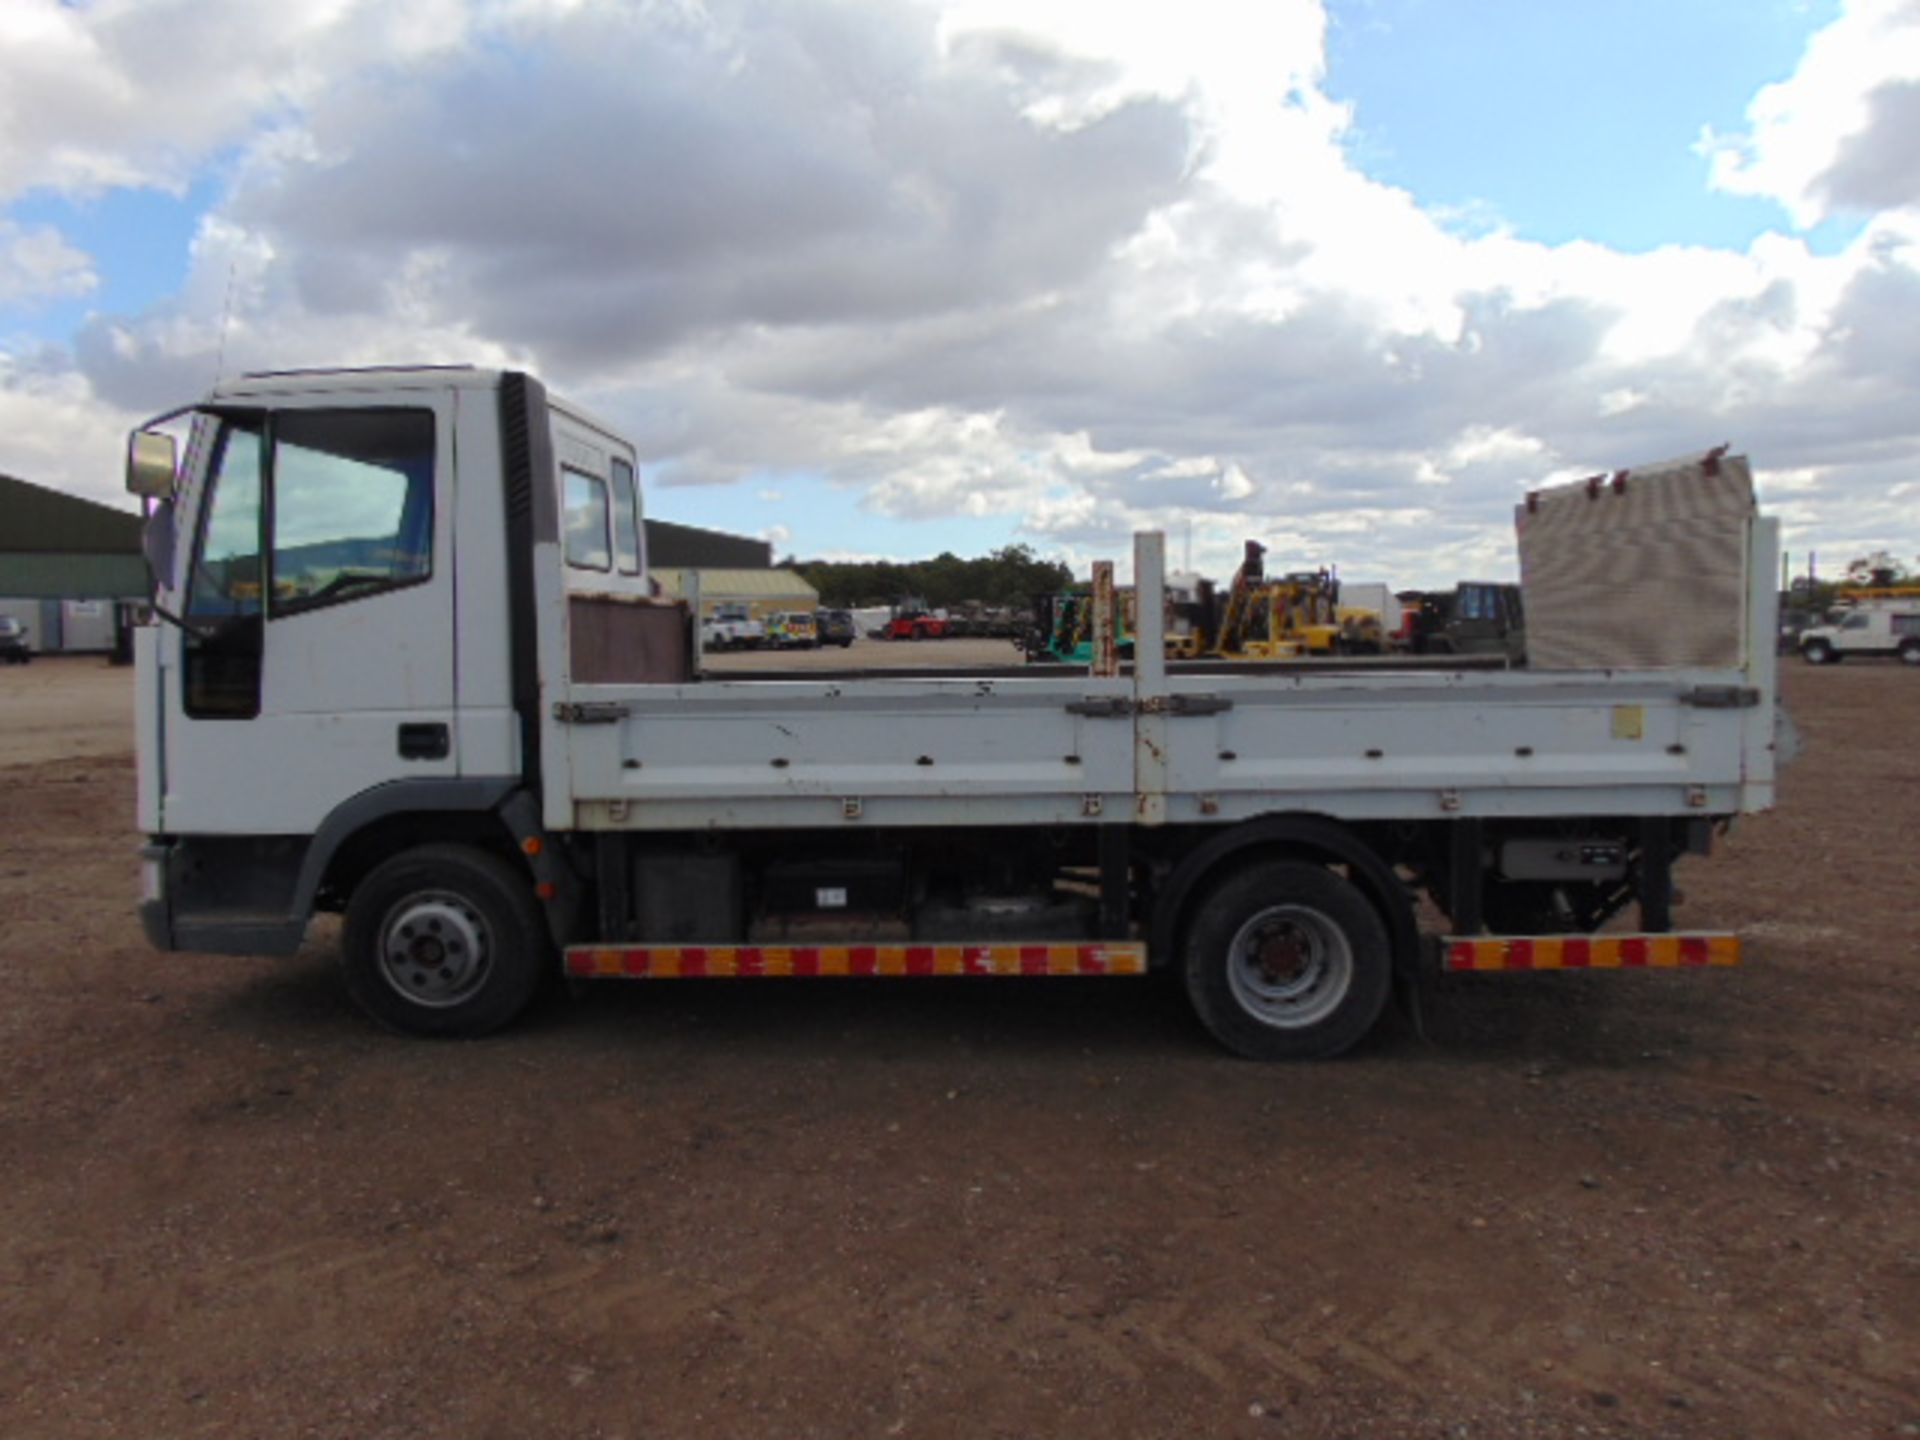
(1666, 709)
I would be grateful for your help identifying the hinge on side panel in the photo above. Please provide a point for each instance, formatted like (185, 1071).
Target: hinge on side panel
(1721, 697)
(1102, 707)
(590, 712)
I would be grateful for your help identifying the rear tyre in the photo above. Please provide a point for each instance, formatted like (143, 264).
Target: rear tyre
(444, 940)
(1287, 961)
(1818, 652)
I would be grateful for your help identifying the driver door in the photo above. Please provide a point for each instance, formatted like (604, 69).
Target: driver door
(318, 593)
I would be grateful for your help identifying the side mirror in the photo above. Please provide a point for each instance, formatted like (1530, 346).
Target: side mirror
(151, 462)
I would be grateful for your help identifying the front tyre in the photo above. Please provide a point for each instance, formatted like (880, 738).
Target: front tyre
(1910, 652)
(1818, 652)
(444, 940)
(1287, 961)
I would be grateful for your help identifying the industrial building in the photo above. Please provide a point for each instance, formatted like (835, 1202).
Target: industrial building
(763, 592)
(68, 567)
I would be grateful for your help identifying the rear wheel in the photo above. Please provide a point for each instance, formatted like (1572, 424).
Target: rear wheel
(1287, 961)
(444, 940)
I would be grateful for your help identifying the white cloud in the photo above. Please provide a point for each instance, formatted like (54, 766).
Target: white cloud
(139, 92)
(1838, 133)
(37, 263)
(1086, 267)
(55, 430)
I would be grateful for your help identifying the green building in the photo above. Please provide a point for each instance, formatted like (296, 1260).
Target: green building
(67, 566)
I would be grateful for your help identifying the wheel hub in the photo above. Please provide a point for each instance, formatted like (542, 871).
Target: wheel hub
(435, 949)
(1290, 966)
(1283, 958)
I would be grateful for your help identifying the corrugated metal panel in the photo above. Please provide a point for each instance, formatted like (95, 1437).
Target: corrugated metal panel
(690, 547)
(1644, 569)
(73, 577)
(750, 585)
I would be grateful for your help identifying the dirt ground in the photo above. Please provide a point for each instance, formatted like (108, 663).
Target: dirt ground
(1612, 1205)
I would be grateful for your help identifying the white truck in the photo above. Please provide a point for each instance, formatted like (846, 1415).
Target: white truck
(406, 667)
(1871, 627)
(732, 627)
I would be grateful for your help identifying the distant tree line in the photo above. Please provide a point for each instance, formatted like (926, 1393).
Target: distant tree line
(1011, 575)
(1880, 570)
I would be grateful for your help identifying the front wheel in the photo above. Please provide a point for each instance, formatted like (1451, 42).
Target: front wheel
(1818, 652)
(444, 940)
(1287, 961)
(1910, 652)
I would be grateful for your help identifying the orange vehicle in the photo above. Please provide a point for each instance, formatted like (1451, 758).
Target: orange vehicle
(911, 620)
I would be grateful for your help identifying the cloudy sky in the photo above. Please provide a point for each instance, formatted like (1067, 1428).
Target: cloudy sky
(880, 277)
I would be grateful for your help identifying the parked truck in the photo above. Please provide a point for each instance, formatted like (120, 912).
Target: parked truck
(732, 627)
(1873, 626)
(406, 667)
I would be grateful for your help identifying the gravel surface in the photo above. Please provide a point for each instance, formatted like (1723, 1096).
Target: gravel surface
(1611, 1204)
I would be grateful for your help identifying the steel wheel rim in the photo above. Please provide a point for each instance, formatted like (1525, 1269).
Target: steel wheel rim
(435, 949)
(1290, 966)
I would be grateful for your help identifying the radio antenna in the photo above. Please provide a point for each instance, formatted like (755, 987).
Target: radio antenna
(226, 318)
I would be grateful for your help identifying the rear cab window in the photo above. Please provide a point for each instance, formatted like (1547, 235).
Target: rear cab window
(586, 521)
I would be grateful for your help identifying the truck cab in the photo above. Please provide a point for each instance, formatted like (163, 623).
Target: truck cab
(313, 546)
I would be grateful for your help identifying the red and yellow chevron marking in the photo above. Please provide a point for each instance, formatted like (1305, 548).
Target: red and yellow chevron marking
(1590, 952)
(667, 962)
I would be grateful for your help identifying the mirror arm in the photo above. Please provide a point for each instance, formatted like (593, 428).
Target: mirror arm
(185, 627)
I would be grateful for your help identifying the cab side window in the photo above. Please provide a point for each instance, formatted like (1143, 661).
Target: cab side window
(352, 505)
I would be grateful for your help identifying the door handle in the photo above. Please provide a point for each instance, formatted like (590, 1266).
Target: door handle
(429, 740)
